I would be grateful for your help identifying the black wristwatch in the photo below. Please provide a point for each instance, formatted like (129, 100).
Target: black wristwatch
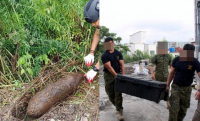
(199, 90)
(95, 69)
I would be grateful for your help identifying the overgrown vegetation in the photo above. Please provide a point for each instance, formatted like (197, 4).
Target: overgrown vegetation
(40, 40)
(33, 32)
(137, 56)
(127, 58)
(172, 57)
(104, 33)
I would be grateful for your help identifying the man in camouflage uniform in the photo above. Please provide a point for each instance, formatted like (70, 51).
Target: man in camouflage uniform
(113, 65)
(161, 60)
(182, 73)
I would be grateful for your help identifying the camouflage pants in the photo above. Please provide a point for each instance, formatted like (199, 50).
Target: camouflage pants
(180, 102)
(114, 96)
(161, 77)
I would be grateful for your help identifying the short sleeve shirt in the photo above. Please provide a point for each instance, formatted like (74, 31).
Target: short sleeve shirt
(114, 60)
(162, 62)
(184, 71)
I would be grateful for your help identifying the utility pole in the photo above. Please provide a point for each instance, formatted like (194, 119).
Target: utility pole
(197, 34)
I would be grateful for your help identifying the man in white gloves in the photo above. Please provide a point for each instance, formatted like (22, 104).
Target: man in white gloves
(91, 14)
(113, 64)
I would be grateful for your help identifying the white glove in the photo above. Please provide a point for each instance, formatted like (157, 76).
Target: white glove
(89, 59)
(90, 75)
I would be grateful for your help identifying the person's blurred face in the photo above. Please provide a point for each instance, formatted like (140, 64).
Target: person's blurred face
(109, 45)
(96, 24)
(186, 55)
(162, 48)
(193, 43)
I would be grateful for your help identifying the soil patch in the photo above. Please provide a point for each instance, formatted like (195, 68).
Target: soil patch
(84, 102)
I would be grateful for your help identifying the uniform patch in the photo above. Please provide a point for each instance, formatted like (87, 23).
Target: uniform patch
(117, 57)
(190, 67)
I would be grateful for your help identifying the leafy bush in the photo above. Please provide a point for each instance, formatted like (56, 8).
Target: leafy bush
(33, 31)
(139, 55)
(172, 57)
(127, 58)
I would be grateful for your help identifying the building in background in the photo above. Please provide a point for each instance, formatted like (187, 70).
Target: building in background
(150, 48)
(178, 46)
(138, 37)
(174, 44)
(176, 53)
(138, 42)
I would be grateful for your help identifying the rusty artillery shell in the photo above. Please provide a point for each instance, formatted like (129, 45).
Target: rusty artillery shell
(53, 93)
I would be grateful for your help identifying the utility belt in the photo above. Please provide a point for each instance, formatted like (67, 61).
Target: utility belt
(180, 85)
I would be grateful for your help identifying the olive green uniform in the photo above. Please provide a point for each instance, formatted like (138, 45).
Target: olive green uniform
(161, 62)
(180, 102)
(114, 96)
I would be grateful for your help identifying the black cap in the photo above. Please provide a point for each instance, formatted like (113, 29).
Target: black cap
(108, 39)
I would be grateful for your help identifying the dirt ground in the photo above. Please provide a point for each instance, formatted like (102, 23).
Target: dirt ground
(82, 105)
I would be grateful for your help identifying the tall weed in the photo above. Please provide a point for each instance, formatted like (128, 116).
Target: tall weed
(41, 29)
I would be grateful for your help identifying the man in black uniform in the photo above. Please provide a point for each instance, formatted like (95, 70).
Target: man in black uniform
(182, 70)
(113, 64)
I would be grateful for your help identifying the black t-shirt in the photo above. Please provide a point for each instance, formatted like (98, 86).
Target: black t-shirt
(114, 60)
(184, 71)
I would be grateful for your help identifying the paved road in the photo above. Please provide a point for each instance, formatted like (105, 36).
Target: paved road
(136, 109)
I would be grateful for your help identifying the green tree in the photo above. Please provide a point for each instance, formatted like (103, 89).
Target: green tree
(139, 55)
(104, 33)
(32, 32)
(172, 57)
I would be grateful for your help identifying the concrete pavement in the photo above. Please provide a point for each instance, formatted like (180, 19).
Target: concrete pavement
(137, 109)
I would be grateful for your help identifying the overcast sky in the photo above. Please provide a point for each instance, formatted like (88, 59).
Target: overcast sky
(172, 19)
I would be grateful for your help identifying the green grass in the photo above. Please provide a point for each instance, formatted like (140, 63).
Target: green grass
(42, 29)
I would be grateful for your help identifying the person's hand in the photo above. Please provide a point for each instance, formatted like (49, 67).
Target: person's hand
(167, 89)
(89, 59)
(197, 95)
(153, 77)
(90, 75)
